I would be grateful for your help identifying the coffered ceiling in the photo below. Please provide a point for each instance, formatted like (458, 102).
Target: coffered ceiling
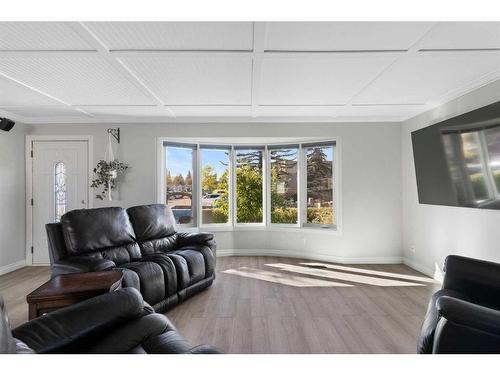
(91, 72)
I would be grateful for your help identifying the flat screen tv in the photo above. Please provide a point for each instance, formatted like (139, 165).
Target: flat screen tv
(457, 161)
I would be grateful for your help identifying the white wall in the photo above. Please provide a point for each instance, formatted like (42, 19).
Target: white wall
(436, 231)
(371, 184)
(12, 199)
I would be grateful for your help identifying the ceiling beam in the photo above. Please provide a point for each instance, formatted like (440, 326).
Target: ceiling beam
(259, 41)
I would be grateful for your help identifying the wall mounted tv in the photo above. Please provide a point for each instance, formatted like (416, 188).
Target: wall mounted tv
(457, 161)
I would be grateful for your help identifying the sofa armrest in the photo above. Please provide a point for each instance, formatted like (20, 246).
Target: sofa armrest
(465, 327)
(478, 279)
(195, 238)
(81, 264)
(131, 335)
(74, 328)
(469, 314)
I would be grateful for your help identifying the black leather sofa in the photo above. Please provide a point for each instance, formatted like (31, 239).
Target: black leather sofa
(464, 316)
(166, 266)
(113, 323)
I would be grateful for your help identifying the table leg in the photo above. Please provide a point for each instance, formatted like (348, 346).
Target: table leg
(32, 311)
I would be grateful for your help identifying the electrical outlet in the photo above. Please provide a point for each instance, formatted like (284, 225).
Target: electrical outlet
(412, 249)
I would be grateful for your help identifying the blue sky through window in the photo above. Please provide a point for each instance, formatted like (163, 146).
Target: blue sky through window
(179, 160)
(215, 158)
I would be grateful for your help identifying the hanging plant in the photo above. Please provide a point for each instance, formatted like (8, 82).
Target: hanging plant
(106, 173)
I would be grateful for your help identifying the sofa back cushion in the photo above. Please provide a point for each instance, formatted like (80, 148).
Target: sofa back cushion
(152, 221)
(154, 227)
(91, 230)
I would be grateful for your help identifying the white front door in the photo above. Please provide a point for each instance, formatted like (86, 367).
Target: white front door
(60, 184)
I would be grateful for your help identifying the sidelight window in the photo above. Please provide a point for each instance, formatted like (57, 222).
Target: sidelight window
(60, 199)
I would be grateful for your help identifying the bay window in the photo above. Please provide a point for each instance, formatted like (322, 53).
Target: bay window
(290, 185)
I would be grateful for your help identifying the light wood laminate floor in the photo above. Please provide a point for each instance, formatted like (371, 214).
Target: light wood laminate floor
(284, 305)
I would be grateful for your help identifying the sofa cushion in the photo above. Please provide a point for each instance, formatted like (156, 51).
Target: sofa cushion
(190, 267)
(152, 221)
(158, 245)
(151, 280)
(208, 257)
(118, 254)
(100, 228)
(169, 272)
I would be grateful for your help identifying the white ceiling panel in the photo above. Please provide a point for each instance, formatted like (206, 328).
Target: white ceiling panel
(39, 36)
(463, 35)
(297, 110)
(317, 80)
(196, 111)
(174, 35)
(426, 76)
(160, 71)
(14, 94)
(381, 112)
(46, 111)
(127, 111)
(199, 80)
(75, 80)
(343, 36)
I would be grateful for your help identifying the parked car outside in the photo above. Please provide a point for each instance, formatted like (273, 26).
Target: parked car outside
(209, 199)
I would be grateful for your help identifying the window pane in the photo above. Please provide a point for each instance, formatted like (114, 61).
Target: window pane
(179, 176)
(474, 166)
(284, 186)
(493, 142)
(319, 184)
(214, 186)
(59, 191)
(249, 186)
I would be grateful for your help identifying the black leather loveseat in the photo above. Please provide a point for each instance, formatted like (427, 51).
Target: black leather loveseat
(464, 316)
(166, 266)
(117, 322)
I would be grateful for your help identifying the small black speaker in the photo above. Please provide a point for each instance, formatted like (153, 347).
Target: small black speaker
(6, 124)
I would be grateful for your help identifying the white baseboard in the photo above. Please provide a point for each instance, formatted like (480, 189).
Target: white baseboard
(421, 268)
(311, 256)
(12, 267)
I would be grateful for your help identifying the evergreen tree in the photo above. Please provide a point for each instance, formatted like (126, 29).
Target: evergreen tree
(189, 179)
(179, 180)
(319, 170)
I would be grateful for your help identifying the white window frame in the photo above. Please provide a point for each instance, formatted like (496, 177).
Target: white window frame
(234, 198)
(299, 193)
(232, 224)
(230, 218)
(304, 193)
(195, 201)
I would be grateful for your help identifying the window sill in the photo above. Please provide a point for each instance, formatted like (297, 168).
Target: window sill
(260, 228)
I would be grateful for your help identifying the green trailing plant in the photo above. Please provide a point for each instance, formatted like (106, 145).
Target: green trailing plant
(106, 174)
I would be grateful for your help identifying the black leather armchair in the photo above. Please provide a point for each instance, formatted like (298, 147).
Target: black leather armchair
(117, 322)
(464, 316)
(165, 265)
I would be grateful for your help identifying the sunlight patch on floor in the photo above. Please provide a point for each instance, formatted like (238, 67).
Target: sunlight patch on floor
(344, 276)
(283, 278)
(402, 276)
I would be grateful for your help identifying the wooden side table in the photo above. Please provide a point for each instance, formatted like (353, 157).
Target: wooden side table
(65, 290)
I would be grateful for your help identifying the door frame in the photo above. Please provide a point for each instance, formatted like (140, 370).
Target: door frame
(29, 180)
